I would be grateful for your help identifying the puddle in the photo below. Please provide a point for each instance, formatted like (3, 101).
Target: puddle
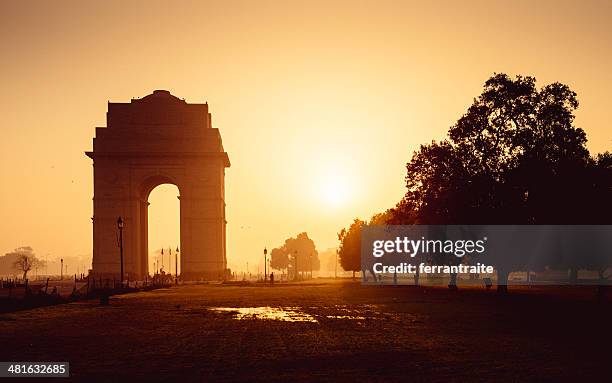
(285, 314)
(351, 317)
(358, 313)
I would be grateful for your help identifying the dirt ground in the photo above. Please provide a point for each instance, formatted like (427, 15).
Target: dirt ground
(332, 331)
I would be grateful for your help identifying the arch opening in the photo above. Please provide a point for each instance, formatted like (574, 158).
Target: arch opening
(163, 229)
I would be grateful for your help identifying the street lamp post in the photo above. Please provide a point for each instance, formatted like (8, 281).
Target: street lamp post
(296, 264)
(336, 266)
(176, 266)
(120, 227)
(265, 264)
(310, 265)
(169, 260)
(61, 268)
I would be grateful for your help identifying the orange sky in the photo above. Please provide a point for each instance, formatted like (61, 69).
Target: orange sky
(304, 93)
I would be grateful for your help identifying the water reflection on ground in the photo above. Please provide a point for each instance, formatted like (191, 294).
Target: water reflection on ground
(297, 314)
(285, 314)
(351, 317)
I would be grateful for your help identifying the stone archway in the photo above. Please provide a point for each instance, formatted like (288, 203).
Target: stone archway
(155, 140)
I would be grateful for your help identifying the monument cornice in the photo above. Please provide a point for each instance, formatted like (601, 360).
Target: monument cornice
(221, 155)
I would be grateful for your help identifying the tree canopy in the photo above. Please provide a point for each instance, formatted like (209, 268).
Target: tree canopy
(303, 247)
(349, 249)
(25, 260)
(279, 259)
(515, 157)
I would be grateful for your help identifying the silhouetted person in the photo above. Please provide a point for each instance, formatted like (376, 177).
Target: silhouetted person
(272, 278)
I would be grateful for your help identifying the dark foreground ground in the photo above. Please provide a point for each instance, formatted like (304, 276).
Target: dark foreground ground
(331, 331)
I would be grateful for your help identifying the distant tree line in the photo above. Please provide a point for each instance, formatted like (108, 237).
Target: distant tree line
(22, 260)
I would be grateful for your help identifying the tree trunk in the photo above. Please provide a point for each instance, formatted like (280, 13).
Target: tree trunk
(374, 275)
(502, 281)
(573, 274)
(602, 274)
(453, 281)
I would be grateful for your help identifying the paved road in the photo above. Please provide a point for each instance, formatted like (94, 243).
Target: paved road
(325, 331)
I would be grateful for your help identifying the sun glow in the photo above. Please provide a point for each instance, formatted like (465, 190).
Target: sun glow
(334, 190)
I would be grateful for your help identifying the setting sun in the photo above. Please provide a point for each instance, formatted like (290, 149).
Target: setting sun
(334, 190)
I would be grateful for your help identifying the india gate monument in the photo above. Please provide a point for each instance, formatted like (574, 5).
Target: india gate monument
(158, 139)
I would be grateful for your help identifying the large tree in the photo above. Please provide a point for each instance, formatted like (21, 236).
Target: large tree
(515, 157)
(300, 251)
(349, 249)
(279, 259)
